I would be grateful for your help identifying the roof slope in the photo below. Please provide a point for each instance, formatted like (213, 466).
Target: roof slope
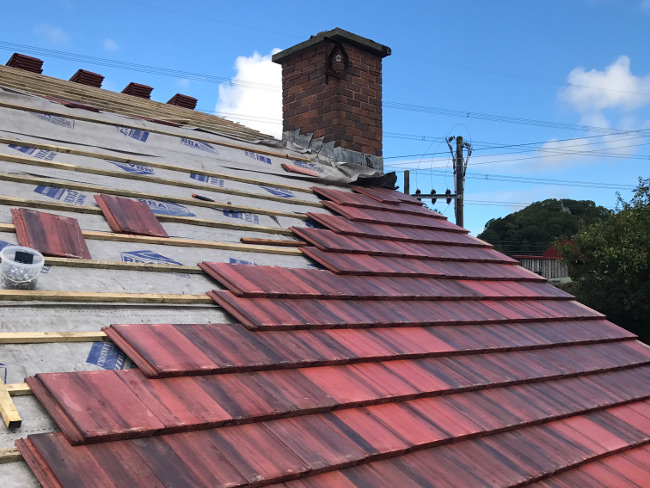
(379, 345)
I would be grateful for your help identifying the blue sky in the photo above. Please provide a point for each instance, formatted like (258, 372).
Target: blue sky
(553, 95)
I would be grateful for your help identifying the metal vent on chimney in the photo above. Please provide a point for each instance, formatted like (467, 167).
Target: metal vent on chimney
(88, 78)
(183, 101)
(138, 90)
(26, 63)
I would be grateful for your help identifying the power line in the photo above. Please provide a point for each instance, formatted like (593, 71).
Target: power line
(552, 153)
(493, 117)
(143, 68)
(262, 86)
(547, 181)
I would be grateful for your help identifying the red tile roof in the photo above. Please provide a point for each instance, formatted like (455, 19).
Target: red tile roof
(421, 358)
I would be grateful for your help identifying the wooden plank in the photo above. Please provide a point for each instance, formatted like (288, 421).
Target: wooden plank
(100, 297)
(19, 389)
(122, 265)
(45, 85)
(114, 101)
(8, 409)
(27, 160)
(272, 242)
(149, 196)
(10, 455)
(71, 207)
(108, 236)
(153, 164)
(49, 337)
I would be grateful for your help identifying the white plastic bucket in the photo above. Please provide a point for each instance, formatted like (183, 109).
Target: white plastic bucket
(20, 275)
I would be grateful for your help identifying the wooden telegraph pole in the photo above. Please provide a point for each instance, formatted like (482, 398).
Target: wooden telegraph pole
(459, 169)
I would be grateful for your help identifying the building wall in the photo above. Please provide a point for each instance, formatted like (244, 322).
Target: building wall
(548, 268)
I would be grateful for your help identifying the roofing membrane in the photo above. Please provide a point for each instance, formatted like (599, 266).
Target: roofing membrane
(384, 346)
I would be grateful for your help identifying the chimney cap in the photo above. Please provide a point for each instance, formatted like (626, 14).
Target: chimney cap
(337, 34)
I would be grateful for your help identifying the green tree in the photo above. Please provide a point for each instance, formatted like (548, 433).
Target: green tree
(533, 229)
(609, 263)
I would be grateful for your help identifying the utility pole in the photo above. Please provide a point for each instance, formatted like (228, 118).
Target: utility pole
(459, 170)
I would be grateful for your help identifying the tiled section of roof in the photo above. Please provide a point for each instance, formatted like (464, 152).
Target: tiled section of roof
(419, 357)
(326, 240)
(277, 282)
(175, 350)
(512, 458)
(362, 264)
(446, 444)
(358, 377)
(387, 196)
(343, 226)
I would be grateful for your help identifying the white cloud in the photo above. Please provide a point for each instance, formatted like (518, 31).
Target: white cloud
(110, 45)
(51, 34)
(258, 108)
(614, 87)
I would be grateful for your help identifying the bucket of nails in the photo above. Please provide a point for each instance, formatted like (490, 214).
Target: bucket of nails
(20, 267)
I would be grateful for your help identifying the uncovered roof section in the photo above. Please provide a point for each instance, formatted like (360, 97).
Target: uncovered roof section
(380, 346)
(119, 104)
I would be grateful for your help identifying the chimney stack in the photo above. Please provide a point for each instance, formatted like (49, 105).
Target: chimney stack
(331, 86)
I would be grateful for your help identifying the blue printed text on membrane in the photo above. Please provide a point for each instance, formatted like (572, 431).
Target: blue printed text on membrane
(107, 355)
(241, 261)
(53, 119)
(167, 208)
(35, 153)
(208, 179)
(257, 157)
(248, 217)
(146, 256)
(136, 169)
(150, 257)
(201, 146)
(313, 166)
(278, 192)
(68, 196)
(137, 134)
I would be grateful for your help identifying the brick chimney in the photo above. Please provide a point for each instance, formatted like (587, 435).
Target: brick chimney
(331, 86)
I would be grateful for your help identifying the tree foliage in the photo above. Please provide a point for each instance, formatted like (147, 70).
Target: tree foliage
(533, 229)
(609, 263)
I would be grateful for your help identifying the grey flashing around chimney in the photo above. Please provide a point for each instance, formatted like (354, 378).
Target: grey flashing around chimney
(303, 140)
(337, 34)
(327, 150)
(317, 144)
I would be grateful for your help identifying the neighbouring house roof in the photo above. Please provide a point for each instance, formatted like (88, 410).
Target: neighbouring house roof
(292, 332)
